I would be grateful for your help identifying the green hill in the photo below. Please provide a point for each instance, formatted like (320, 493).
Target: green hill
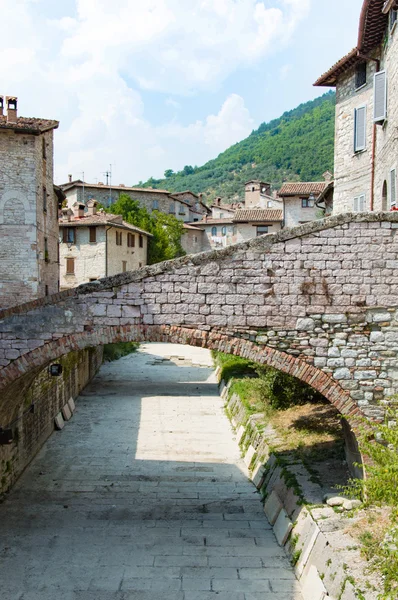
(297, 146)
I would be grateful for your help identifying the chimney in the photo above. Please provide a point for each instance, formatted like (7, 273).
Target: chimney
(265, 189)
(11, 102)
(328, 176)
(70, 177)
(218, 201)
(1, 106)
(67, 215)
(92, 207)
(78, 210)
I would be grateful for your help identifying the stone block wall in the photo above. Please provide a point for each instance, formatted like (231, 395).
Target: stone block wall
(39, 399)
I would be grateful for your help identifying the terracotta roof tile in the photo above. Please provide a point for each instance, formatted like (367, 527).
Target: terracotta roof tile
(329, 78)
(30, 125)
(299, 188)
(258, 215)
(102, 219)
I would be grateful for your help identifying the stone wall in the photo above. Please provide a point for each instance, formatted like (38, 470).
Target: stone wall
(38, 401)
(248, 231)
(324, 296)
(295, 214)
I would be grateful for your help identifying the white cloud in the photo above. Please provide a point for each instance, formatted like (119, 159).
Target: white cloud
(88, 66)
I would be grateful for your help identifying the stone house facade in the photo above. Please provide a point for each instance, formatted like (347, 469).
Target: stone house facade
(185, 206)
(258, 194)
(28, 207)
(366, 82)
(95, 245)
(302, 202)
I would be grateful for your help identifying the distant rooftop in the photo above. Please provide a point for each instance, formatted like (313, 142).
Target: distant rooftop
(101, 219)
(258, 215)
(299, 188)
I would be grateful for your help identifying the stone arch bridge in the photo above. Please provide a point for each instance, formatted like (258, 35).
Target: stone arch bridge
(319, 302)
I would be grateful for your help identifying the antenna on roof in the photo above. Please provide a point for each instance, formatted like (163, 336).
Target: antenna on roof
(108, 175)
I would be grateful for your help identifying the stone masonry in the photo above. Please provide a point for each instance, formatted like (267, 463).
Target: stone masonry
(319, 301)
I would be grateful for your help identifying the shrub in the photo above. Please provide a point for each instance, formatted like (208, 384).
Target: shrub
(115, 351)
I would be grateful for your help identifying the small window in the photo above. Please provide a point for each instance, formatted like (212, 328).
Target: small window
(141, 241)
(119, 238)
(214, 231)
(360, 129)
(130, 240)
(46, 290)
(155, 205)
(360, 74)
(223, 231)
(140, 265)
(384, 197)
(380, 97)
(172, 208)
(44, 149)
(124, 266)
(195, 239)
(46, 255)
(69, 235)
(93, 234)
(359, 203)
(70, 266)
(262, 229)
(221, 215)
(269, 204)
(393, 188)
(307, 202)
(253, 189)
(393, 19)
(44, 200)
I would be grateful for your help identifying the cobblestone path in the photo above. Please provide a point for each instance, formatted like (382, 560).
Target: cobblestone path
(142, 496)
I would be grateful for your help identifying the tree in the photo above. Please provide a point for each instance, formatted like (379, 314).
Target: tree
(166, 229)
(168, 173)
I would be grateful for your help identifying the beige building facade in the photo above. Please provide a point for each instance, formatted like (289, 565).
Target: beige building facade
(97, 244)
(28, 207)
(306, 201)
(366, 143)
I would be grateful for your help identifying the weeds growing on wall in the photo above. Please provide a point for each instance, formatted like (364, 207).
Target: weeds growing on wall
(116, 351)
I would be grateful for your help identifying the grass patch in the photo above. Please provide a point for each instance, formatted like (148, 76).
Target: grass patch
(115, 351)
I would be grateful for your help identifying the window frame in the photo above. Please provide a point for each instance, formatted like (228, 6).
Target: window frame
(358, 148)
(393, 202)
(124, 266)
(130, 240)
(258, 232)
(358, 199)
(383, 117)
(141, 241)
(214, 229)
(119, 238)
(68, 262)
(359, 85)
(72, 239)
(305, 203)
(92, 234)
(392, 23)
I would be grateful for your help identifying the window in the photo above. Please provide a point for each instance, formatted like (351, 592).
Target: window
(393, 19)
(130, 240)
(307, 202)
(140, 265)
(221, 215)
(269, 204)
(359, 203)
(43, 148)
(93, 234)
(119, 238)
(393, 188)
(384, 197)
(155, 205)
(44, 200)
(262, 229)
(195, 239)
(69, 235)
(141, 241)
(214, 231)
(223, 231)
(46, 255)
(380, 97)
(70, 266)
(360, 129)
(124, 266)
(253, 189)
(360, 75)
(46, 291)
(172, 208)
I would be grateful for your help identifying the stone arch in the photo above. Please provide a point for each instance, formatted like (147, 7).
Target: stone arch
(384, 197)
(11, 199)
(213, 340)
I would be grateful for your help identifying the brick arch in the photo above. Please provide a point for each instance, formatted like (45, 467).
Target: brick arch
(213, 340)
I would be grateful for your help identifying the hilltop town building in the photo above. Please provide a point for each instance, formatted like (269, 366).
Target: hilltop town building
(97, 244)
(304, 202)
(185, 206)
(28, 207)
(366, 81)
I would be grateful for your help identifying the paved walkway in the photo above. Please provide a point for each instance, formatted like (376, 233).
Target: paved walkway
(142, 497)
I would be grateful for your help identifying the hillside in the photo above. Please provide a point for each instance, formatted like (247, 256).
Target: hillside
(297, 146)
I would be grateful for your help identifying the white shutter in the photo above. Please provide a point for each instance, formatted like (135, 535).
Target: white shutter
(360, 129)
(359, 203)
(356, 204)
(393, 182)
(380, 96)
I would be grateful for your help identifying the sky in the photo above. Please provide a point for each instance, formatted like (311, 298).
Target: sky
(150, 85)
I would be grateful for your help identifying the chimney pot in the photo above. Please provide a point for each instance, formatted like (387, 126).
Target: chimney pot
(78, 210)
(66, 215)
(70, 178)
(12, 115)
(92, 207)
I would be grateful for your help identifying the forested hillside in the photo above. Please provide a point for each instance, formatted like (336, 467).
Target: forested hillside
(297, 146)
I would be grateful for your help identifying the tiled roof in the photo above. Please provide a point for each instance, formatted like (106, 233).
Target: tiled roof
(78, 183)
(229, 207)
(257, 215)
(208, 221)
(30, 125)
(299, 188)
(101, 219)
(372, 26)
(185, 192)
(193, 227)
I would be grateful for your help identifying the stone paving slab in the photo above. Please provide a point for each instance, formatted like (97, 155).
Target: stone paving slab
(142, 496)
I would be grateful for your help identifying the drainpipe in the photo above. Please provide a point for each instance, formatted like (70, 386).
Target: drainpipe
(374, 139)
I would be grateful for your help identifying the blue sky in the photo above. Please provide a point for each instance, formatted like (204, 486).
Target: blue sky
(155, 84)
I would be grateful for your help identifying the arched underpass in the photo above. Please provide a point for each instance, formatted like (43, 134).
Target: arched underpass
(142, 495)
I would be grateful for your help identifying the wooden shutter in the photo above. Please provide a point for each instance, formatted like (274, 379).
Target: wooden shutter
(70, 266)
(380, 96)
(393, 184)
(93, 234)
(65, 234)
(141, 241)
(360, 129)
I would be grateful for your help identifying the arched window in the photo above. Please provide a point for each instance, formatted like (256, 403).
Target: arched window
(384, 196)
(223, 231)
(214, 231)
